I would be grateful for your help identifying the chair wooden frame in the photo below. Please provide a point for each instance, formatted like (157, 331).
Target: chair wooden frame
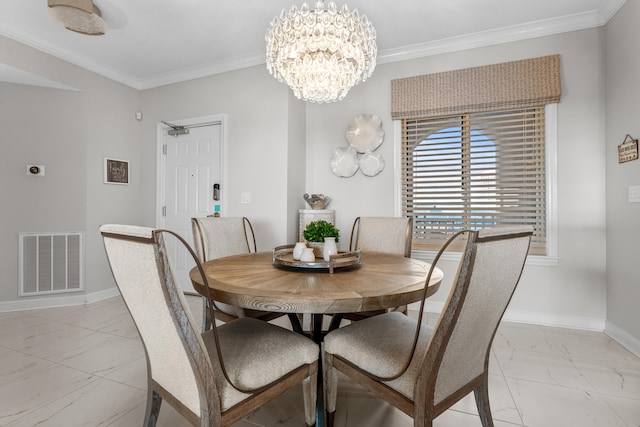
(220, 314)
(201, 363)
(422, 407)
(353, 245)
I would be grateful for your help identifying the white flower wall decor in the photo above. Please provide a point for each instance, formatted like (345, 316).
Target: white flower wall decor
(364, 135)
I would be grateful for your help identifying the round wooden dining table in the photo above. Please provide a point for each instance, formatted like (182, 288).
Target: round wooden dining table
(380, 281)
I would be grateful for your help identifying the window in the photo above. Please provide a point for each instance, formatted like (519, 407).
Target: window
(474, 171)
(473, 150)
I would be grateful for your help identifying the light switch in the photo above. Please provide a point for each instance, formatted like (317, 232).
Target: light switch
(634, 194)
(245, 198)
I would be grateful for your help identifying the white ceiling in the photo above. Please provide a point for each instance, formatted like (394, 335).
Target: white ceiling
(155, 42)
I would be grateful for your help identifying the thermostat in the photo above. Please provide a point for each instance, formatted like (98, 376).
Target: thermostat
(35, 170)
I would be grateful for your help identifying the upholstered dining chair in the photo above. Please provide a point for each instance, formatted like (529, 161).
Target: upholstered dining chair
(213, 378)
(220, 237)
(424, 371)
(391, 235)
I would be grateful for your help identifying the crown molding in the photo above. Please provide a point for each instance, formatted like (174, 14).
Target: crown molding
(609, 9)
(530, 30)
(105, 71)
(213, 68)
(564, 24)
(526, 31)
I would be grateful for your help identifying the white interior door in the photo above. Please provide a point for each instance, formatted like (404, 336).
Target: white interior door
(192, 165)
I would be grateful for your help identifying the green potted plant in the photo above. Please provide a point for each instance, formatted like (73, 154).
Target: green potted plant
(315, 232)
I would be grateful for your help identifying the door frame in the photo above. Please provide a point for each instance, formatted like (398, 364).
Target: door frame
(161, 172)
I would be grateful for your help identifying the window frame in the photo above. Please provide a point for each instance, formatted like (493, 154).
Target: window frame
(551, 258)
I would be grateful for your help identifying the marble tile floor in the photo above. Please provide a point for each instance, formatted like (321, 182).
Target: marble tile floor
(85, 366)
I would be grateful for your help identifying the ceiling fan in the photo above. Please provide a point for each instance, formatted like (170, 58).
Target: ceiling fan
(81, 16)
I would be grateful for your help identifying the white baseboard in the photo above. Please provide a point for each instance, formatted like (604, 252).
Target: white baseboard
(557, 320)
(538, 318)
(625, 339)
(616, 333)
(102, 295)
(31, 303)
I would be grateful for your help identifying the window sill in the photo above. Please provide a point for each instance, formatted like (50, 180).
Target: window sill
(537, 260)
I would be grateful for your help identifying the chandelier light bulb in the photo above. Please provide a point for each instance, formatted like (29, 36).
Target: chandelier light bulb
(322, 53)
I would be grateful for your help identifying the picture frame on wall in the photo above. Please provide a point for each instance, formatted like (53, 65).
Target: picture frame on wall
(628, 150)
(116, 171)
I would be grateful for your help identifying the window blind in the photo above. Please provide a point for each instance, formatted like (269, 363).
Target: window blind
(474, 171)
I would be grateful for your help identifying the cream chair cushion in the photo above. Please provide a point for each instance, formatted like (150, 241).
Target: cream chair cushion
(222, 237)
(383, 234)
(384, 352)
(255, 354)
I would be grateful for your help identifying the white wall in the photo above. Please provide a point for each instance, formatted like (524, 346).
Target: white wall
(573, 293)
(36, 131)
(623, 218)
(296, 165)
(70, 132)
(260, 142)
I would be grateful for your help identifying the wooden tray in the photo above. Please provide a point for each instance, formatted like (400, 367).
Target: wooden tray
(283, 257)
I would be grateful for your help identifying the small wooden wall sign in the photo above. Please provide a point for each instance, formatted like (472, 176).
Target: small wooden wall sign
(628, 150)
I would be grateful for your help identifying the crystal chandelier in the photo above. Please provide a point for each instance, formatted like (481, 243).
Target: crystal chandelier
(321, 53)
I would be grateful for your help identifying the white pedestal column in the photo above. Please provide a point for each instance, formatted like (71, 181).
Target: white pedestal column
(308, 215)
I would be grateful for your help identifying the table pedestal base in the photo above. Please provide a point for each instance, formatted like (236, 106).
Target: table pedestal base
(316, 334)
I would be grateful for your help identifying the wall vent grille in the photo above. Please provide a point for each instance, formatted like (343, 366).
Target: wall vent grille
(51, 263)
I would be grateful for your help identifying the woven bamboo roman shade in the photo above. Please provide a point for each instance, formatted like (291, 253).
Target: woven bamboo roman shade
(509, 85)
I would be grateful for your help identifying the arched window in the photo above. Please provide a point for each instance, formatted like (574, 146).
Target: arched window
(474, 171)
